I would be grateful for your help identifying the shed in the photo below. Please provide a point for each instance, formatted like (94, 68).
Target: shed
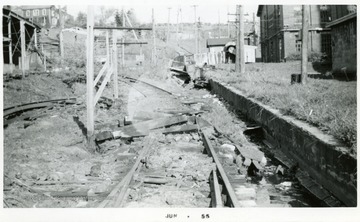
(343, 42)
(19, 41)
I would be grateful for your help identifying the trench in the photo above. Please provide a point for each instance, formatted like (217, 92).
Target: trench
(278, 189)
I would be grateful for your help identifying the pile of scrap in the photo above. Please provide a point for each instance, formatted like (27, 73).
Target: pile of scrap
(165, 125)
(250, 160)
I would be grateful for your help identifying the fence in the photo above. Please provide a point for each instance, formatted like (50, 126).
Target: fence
(211, 58)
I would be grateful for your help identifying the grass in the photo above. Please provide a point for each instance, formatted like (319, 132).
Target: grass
(327, 104)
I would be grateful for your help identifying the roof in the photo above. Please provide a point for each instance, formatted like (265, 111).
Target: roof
(24, 7)
(7, 12)
(217, 42)
(258, 13)
(341, 20)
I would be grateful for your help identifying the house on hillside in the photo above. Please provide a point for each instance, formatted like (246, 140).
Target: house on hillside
(343, 39)
(19, 41)
(46, 16)
(280, 31)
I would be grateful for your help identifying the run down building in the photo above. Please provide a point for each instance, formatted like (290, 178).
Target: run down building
(280, 31)
(19, 41)
(343, 39)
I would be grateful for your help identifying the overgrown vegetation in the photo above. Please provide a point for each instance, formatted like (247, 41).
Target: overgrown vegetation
(327, 104)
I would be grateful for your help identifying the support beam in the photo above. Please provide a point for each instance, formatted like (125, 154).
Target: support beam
(154, 40)
(115, 66)
(304, 45)
(122, 28)
(23, 47)
(90, 78)
(10, 47)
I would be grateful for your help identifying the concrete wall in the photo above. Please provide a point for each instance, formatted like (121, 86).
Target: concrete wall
(343, 38)
(319, 154)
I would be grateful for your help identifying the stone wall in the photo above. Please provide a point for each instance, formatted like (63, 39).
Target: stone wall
(319, 154)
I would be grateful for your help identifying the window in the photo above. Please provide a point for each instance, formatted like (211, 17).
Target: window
(27, 13)
(298, 45)
(44, 12)
(35, 12)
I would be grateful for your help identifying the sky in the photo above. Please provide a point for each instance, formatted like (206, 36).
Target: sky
(206, 13)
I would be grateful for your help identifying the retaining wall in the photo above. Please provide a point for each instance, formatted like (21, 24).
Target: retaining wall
(319, 154)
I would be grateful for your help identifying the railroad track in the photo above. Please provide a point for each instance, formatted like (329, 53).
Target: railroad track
(142, 176)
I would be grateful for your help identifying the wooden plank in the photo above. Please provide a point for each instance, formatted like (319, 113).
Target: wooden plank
(103, 85)
(216, 200)
(181, 129)
(230, 191)
(102, 71)
(143, 128)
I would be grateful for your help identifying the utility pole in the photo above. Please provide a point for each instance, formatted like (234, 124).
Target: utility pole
(168, 26)
(23, 47)
(90, 78)
(254, 27)
(177, 25)
(228, 23)
(123, 40)
(153, 32)
(240, 60)
(304, 45)
(219, 23)
(196, 32)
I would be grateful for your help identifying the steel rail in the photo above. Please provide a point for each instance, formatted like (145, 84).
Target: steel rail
(233, 201)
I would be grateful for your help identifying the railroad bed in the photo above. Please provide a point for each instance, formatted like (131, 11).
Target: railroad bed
(164, 153)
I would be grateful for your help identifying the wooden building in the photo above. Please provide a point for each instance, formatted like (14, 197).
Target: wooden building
(19, 41)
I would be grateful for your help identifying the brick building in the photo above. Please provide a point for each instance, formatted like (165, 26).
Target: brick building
(343, 38)
(280, 31)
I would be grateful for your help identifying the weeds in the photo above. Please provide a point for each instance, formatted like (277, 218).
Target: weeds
(327, 104)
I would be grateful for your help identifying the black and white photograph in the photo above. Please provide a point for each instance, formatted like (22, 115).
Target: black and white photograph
(164, 110)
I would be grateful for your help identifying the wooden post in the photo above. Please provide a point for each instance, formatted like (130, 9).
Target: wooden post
(254, 27)
(196, 32)
(228, 23)
(90, 78)
(240, 60)
(10, 47)
(168, 27)
(219, 23)
(115, 65)
(177, 25)
(153, 34)
(61, 46)
(304, 45)
(123, 40)
(107, 49)
(23, 46)
(35, 37)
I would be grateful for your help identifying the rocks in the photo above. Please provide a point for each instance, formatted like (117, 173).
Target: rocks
(95, 170)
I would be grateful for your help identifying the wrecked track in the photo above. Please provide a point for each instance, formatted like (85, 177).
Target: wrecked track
(151, 153)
